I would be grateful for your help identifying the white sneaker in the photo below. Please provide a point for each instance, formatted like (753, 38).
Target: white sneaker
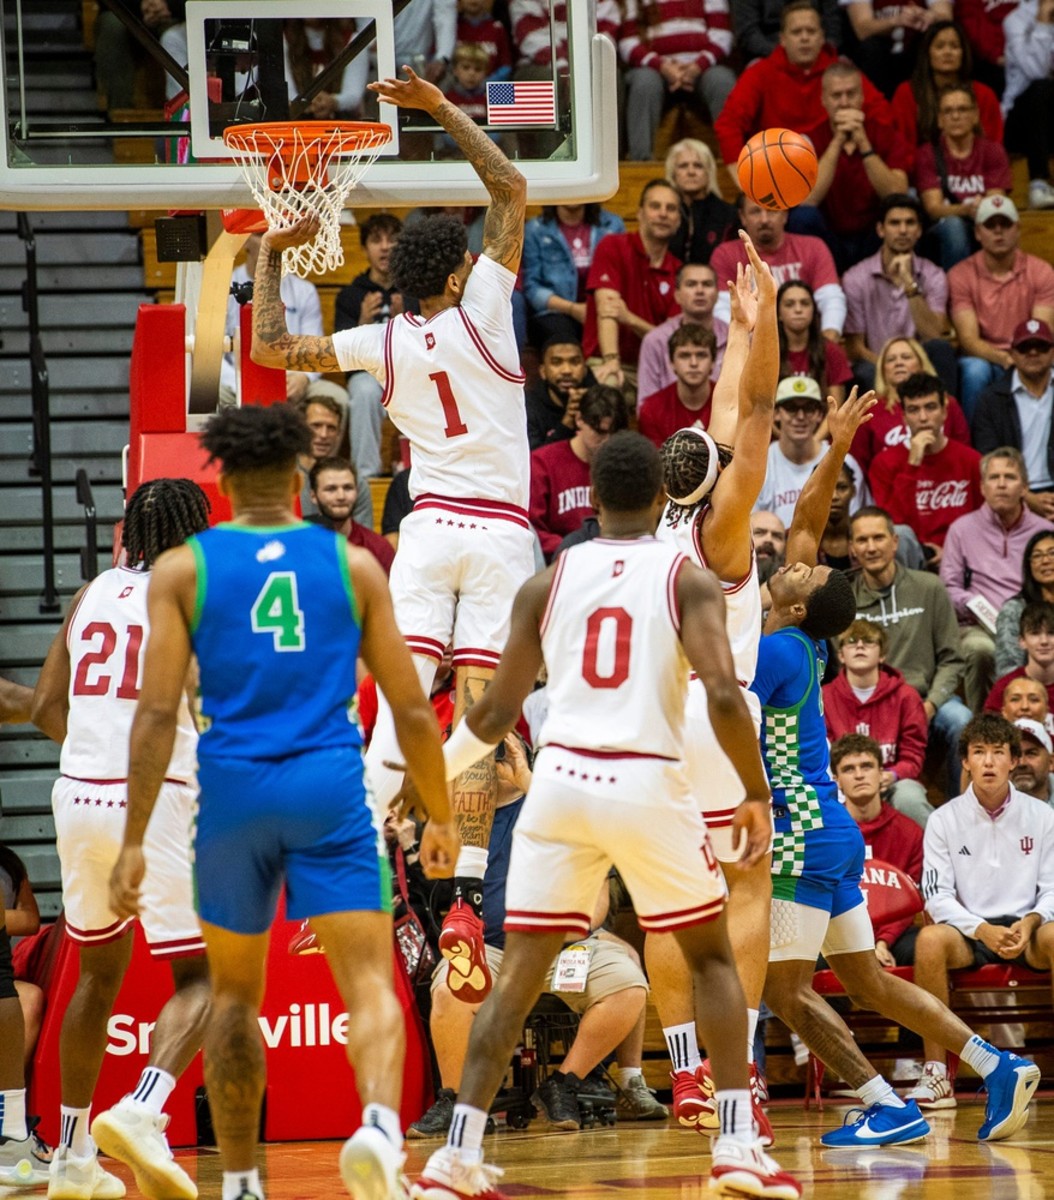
(371, 1166)
(133, 1135)
(446, 1177)
(934, 1089)
(21, 1164)
(74, 1178)
(744, 1169)
(1040, 194)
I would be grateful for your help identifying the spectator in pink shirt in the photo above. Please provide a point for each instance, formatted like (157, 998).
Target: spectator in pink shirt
(696, 293)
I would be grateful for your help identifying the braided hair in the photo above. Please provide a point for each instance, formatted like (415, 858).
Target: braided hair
(162, 513)
(256, 438)
(685, 463)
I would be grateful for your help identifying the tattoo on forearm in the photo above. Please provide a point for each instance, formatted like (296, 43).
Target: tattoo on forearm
(503, 224)
(300, 352)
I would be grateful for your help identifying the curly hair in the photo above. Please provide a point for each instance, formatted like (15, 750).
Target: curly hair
(256, 438)
(162, 513)
(426, 254)
(854, 743)
(627, 472)
(685, 463)
(990, 729)
(830, 609)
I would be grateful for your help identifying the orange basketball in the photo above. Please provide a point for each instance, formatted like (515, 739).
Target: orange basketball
(777, 168)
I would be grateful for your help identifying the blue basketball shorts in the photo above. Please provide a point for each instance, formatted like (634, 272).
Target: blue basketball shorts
(307, 821)
(821, 867)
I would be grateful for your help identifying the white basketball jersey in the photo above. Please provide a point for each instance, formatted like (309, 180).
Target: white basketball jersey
(453, 386)
(618, 674)
(682, 528)
(107, 643)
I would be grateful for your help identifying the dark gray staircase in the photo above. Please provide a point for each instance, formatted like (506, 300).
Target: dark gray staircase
(90, 281)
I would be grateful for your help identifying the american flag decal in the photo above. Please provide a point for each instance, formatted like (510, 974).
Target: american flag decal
(521, 103)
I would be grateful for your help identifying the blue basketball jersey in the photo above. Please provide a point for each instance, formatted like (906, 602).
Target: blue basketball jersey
(276, 632)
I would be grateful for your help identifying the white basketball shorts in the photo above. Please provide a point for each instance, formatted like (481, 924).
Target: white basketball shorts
(89, 826)
(585, 814)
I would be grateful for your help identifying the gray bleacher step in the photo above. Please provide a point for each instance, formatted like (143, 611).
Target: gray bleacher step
(23, 539)
(38, 827)
(108, 373)
(27, 791)
(42, 867)
(66, 220)
(45, 98)
(71, 340)
(73, 312)
(104, 469)
(74, 248)
(56, 278)
(23, 574)
(67, 438)
(18, 609)
(22, 504)
(28, 749)
(27, 645)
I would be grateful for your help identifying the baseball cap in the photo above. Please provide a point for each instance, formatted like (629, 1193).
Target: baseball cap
(996, 206)
(798, 387)
(1036, 732)
(1032, 330)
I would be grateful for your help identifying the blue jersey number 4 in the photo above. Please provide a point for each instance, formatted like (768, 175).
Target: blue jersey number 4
(277, 611)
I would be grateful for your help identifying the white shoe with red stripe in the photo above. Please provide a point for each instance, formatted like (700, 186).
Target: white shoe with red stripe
(446, 1177)
(744, 1169)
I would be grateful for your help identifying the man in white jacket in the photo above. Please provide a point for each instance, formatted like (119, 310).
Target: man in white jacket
(988, 879)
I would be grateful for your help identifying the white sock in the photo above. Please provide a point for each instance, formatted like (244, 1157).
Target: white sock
(735, 1113)
(386, 1120)
(153, 1090)
(683, 1046)
(13, 1114)
(235, 1183)
(625, 1074)
(471, 862)
(75, 1123)
(878, 1091)
(752, 1029)
(466, 1132)
(978, 1054)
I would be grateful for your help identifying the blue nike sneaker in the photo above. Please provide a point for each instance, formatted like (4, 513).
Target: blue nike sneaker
(1010, 1088)
(879, 1125)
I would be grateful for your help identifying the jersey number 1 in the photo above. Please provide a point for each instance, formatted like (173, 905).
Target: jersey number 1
(454, 427)
(277, 611)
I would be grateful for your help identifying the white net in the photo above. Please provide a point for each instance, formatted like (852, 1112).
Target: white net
(309, 168)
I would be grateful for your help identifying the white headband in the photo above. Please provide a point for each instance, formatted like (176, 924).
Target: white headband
(703, 489)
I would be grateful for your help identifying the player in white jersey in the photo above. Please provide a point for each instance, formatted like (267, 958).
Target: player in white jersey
(712, 493)
(619, 621)
(86, 699)
(452, 383)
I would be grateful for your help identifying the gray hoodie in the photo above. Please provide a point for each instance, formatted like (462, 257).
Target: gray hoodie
(922, 629)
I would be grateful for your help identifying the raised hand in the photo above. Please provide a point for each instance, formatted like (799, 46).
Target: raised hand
(844, 421)
(280, 238)
(743, 298)
(411, 92)
(763, 280)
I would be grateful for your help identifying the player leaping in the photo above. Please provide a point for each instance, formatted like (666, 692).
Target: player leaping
(453, 385)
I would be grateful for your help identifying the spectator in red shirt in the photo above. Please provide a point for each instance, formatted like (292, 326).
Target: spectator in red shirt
(685, 402)
(887, 33)
(1037, 641)
(560, 483)
(863, 159)
(944, 58)
(933, 480)
(803, 348)
(956, 171)
(983, 22)
(476, 23)
(889, 835)
(672, 49)
(334, 490)
(631, 287)
(869, 696)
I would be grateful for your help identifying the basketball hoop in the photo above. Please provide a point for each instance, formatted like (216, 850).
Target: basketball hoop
(300, 167)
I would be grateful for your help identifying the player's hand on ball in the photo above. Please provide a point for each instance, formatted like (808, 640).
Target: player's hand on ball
(438, 850)
(125, 881)
(302, 230)
(752, 830)
(411, 92)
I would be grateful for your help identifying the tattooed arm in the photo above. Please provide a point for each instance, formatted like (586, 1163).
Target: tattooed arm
(273, 344)
(503, 226)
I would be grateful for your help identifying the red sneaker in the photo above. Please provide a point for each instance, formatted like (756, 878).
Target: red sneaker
(762, 1124)
(446, 1177)
(744, 1169)
(461, 944)
(691, 1105)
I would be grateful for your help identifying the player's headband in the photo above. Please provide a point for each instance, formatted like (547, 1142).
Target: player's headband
(697, 493)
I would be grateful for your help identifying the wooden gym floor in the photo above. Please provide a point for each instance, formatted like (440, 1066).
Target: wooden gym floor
(664, 1162)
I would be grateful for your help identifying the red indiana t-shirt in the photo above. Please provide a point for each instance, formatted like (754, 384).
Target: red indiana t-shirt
(559, 494)
(985, 169)
(621, 262)
(943, 487)
(662, 414)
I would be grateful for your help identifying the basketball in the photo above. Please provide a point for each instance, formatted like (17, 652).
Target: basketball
(777, 168)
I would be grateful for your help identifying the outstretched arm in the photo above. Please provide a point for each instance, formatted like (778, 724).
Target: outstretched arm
(814, 504)
(503, 226)
(273, 344)
(724, 404)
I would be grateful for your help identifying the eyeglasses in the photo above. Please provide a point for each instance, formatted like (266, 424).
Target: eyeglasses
(811, 406)
(1041, 556)
(859, 641)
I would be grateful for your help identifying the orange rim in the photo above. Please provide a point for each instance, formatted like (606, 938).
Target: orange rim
(288, 138)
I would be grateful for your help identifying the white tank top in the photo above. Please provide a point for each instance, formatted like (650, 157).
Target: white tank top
(611, 640)
(106, 639)
(682, 528)
(453, 386)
